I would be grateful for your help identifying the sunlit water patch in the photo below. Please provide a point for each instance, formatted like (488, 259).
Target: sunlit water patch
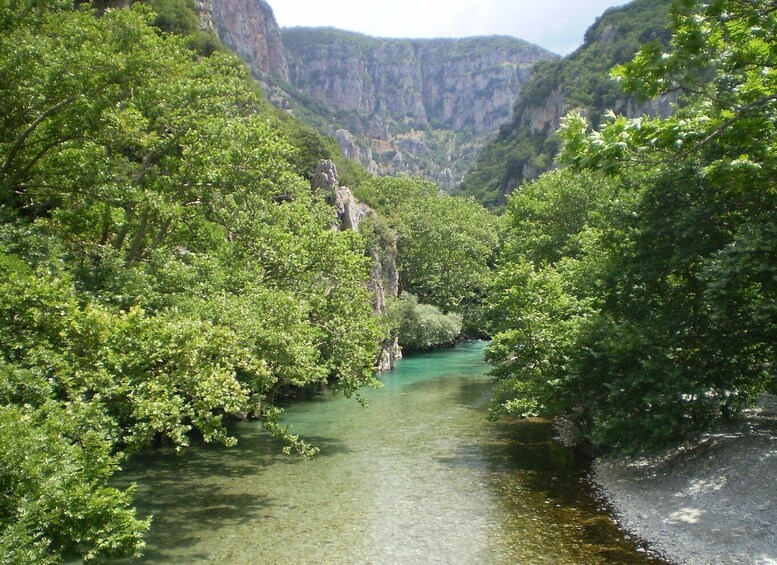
(418, 477)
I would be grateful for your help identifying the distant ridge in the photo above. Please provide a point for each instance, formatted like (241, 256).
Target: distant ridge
(526, 146)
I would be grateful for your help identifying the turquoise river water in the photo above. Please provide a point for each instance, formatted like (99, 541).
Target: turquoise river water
(418, 477)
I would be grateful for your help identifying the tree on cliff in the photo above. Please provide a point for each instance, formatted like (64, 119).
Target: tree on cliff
(446, 243)
(528, 145)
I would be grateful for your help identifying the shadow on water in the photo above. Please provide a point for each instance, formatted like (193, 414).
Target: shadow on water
(474, 394)
(524, 462)
(209, 509)
(168, 482)
(188, 505)
(422, 455)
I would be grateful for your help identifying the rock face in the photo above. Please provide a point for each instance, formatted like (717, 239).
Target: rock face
(384, 277)
(527, 145)
(351, 149)
(204, 10)
(457, 84)
(325, 179)
(419, 107)
(248, 27)
(349, 212)
(471, 83)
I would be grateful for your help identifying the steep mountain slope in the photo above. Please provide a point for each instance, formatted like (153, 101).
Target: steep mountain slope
(422, 107)
(415, 106)
(452, 83)
(527, 146)
(248, 27)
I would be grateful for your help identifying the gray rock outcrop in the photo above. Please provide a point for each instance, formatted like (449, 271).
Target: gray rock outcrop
(350, 149)
(416, 107)
(205, 12)
(325, 181)
(384, 277)
(458, 84)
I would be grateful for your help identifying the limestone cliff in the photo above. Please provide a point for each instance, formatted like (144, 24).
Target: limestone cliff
(471, 83)
(458, 84)
(248, 27)
(204, 9)
(420, 107)
(384, 277)
(526, 146)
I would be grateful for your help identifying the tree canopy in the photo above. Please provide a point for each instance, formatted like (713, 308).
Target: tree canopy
(666, 321)
(446, 243)
(165, 267)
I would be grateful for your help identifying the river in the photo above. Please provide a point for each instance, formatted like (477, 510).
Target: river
(418, 477)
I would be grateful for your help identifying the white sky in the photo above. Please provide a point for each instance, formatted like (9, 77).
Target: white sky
(557, 25)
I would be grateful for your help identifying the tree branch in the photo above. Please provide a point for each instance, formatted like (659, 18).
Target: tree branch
(29, 131)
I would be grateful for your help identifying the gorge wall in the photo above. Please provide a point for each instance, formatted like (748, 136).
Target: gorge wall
(384, 275)
(421, 107)
(527, 145)
(458, 84)
(248, 27)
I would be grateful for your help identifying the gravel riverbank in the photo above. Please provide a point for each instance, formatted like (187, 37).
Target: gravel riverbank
(713, 503)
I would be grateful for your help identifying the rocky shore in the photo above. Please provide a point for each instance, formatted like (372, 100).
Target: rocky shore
(710, 503)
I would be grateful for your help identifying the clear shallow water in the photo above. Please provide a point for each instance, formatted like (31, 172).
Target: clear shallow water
(418, 477)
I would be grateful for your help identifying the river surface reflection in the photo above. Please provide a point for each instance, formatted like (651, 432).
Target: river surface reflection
(418, 477)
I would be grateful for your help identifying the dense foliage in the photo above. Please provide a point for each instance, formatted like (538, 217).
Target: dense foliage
(528, 145)
(641, 305)
(164, 267)
(423, 326)
(446, 243)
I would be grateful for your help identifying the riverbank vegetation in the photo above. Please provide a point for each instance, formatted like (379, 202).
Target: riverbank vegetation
(636, 295)
(165, 267)
(446, 246)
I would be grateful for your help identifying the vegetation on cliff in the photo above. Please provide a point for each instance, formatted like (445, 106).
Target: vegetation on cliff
(164, 264)
(527, 146)
(446, 246)
(636, 296)
(421, 107)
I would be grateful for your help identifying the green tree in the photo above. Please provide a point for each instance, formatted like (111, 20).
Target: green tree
(444, 260)
(562, 232)
(423, 326)
(446, 244)
(687, 332)
(644, 312)
(164, 268)
(56, 503)
(175, 16)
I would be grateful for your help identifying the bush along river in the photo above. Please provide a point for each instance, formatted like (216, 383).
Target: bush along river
(420, 476)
